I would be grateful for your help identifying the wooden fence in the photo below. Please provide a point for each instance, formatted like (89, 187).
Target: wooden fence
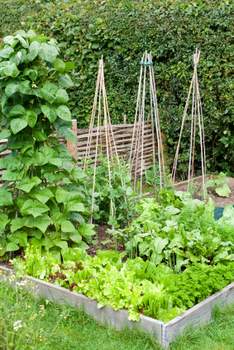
(122, 136)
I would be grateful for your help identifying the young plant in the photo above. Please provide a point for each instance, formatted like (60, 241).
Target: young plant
(219, 185)
(43, 198)
(119, 192)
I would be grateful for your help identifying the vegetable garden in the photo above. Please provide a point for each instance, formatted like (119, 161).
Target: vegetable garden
(111, 229)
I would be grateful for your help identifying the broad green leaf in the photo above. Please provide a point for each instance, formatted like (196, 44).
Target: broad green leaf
(76, 217)
(75, 206)
(61, 244)
(86, 230)
(75, 237)
(19, 57)
(228, 215)
(5, 197)
(17, 110)
(10, 40)
(10, 70)
(27, 184)
(160, 244)
(48, 52)
(31, 73)
(34, 208)
(67, 133)
(11, 89)
(3, 148)
(17, 224)
(4, 220)
(37, 234)
(48, 92)
(25, 87)
(41, 222)
(65, 81)
(39, 135)
(17, 125)
(61, 96)
(43, 195)
(61, 195)
(69, 66)
(67, 226)
(4, 134)
(12, 247)
(19, 237)
(34, 49)
(31, 118)
(23, 42)
(6, 52)
(223, 191)
(171, 210)
(12, 175)
(59, 65)
(78, 174)
(4, 103)
(64, 113)
(49, 112)
(56, 161)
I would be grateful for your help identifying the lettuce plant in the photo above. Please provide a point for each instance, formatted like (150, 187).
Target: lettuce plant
(136, 285)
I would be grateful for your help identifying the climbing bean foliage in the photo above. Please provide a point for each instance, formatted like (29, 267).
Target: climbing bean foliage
(121, 31)
(114, 197)
(43, 198)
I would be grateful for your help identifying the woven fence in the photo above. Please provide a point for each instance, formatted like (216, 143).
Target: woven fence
(122, 136)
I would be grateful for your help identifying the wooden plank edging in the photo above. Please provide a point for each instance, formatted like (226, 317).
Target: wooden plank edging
(105, 315)
(165, 333)
(199, 314)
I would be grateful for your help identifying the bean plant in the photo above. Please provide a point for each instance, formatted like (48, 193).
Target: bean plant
(43, 198)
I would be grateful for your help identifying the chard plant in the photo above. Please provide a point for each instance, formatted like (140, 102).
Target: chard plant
(178, 231)
(43, 199)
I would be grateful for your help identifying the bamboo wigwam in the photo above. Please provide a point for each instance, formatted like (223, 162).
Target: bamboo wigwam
(146, 114)
(196, 119)
(100, 137)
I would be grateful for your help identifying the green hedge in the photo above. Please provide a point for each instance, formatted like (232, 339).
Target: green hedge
(121, 31)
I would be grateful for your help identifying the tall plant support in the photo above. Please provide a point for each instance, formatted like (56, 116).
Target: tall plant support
(196, 122)
(146, 110)
(100, 135)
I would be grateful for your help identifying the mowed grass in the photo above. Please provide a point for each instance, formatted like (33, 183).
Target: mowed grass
(27, 323)
(218, 335)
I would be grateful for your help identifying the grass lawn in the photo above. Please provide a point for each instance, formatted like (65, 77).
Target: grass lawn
(26, 323)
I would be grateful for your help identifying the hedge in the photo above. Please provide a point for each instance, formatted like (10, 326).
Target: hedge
(121, 31)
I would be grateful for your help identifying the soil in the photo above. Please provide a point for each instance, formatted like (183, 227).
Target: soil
(104, 241)
(219, 201)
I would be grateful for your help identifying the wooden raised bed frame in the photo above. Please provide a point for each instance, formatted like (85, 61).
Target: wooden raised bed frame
(165, 333)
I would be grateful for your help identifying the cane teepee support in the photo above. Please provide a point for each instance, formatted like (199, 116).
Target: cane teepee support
(146, 104)
(100, 135)
(196, 121)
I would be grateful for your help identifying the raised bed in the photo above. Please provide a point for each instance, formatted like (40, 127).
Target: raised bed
(165, 333)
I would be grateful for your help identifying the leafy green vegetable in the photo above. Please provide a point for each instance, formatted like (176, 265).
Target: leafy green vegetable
(178, 231)
(136, 285)
(219, 184)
